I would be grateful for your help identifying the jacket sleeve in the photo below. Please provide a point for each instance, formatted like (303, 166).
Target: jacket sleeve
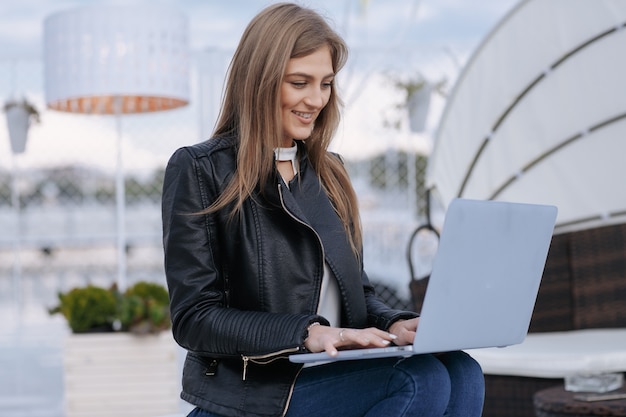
(201, 320)
(379, 314)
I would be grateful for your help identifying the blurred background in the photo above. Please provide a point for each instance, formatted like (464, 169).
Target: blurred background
(60, 206)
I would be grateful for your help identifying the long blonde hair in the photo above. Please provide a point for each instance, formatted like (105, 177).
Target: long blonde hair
(250, 110)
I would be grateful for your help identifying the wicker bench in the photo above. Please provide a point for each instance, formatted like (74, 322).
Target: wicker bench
(583, 287)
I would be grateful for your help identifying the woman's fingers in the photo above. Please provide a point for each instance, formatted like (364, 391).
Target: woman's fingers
(329, 339)
(370, 337)
(405, 330)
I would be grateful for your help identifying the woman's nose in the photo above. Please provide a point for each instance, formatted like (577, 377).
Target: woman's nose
(315, 98)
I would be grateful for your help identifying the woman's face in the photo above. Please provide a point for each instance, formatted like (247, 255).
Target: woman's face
(305, 91)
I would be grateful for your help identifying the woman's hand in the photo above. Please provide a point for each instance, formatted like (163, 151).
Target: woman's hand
(404, 330)
(329, 339)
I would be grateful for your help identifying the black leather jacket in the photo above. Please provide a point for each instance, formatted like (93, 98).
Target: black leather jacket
(243, 290)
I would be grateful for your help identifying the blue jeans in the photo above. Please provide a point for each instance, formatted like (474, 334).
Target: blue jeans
(444, 385)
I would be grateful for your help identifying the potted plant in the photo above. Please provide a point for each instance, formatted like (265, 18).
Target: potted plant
(88, 309)
(20, 115)
(142, 309)
(119, 357)
(417, 94)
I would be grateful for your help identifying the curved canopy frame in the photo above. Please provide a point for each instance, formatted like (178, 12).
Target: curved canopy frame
(539, 113)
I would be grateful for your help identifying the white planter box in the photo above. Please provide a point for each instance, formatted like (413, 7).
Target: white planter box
(121, 374)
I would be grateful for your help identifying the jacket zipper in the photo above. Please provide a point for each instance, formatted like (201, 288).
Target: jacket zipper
(270, 357)
(282, 203)
(293, 384)
(319, 239)
(264, 359)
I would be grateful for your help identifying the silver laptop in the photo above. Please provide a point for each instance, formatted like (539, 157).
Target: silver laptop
(483, 284)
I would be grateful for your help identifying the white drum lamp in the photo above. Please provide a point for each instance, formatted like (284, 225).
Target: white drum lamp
(116, 60)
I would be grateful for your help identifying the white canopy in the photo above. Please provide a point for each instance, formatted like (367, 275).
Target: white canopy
(539, 114)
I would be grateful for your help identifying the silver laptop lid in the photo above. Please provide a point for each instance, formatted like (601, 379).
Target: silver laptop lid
(485, 275)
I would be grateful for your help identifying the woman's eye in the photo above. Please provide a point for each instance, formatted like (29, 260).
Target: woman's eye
(298, 84)
(327, 85)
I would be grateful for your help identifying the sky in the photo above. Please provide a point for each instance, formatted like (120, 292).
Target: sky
(459, 24)
(434, 38)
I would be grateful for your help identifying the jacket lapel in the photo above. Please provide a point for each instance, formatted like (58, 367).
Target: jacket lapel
(310, 203)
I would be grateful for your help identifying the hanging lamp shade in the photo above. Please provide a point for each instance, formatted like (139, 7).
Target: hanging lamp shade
(116, 60)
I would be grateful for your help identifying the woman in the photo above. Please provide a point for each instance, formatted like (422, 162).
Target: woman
(263, 251)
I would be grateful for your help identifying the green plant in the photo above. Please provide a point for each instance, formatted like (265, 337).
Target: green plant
(142, 308)
(26, 105)
(88, 309)
(409, 87)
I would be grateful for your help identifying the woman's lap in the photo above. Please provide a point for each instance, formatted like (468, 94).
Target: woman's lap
(419, 385)
(449, 384)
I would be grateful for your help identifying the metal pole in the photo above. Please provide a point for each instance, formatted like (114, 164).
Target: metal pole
(411, 174)
(120, 201)
(17, 239)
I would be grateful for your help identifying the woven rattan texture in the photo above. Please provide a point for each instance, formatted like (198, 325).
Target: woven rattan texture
(553, 308)
(598, 265)
(511, 396)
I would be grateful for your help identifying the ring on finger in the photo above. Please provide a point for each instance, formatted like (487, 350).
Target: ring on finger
(341, 335)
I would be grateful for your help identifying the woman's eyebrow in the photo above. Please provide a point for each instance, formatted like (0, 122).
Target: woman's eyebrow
(308, 76)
